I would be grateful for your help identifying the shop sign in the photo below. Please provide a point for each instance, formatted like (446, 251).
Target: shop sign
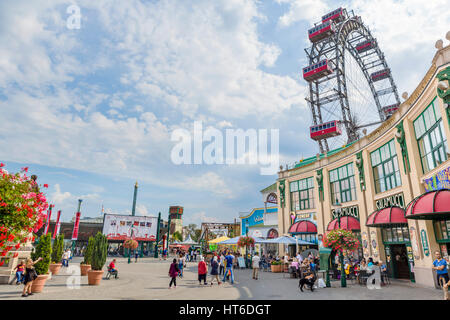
(373, 235)
(303, 216)
(414, 242)
(440, 180)
(352, 211)
(395, 200)
(409, 251)
(426, 249)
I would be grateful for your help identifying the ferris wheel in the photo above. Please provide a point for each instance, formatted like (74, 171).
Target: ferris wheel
(350, 83)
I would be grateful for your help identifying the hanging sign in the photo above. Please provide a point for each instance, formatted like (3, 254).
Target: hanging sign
(76, 226)
(365, 244)
(440, 180)
(57, 225)
(426, 249)
(49, 215)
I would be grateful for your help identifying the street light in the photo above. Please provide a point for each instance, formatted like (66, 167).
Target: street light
(341, 255)
(246, 247)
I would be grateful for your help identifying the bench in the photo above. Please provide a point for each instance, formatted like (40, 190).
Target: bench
(110, 273)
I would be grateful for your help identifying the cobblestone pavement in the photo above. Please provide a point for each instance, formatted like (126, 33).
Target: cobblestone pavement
(148, 279)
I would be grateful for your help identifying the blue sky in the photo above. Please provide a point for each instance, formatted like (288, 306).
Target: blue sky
(91, 110)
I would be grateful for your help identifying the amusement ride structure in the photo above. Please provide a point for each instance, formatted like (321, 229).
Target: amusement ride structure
(345, 59)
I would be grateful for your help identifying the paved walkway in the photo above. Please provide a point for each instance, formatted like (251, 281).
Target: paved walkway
(148, 279)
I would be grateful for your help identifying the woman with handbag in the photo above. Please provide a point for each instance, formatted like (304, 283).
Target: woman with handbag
(30, 275)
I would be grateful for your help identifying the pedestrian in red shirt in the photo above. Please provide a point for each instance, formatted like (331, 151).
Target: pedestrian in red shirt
(202, 271)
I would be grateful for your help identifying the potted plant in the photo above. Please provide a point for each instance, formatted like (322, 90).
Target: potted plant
(57, 251)
(85, 265)
(44, 251)
(275, 266)
(98, 260)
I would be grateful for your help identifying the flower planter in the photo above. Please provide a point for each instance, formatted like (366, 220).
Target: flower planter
(275, 267)
(39, 283)
(54, 268)
(84, 269)
(94, 277)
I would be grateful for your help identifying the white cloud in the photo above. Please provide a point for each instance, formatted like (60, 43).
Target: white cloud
(308, 10)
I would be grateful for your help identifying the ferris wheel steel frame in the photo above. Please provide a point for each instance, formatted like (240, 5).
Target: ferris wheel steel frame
(349, 33)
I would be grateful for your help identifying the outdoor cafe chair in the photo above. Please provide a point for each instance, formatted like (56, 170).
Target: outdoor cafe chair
(363, 276)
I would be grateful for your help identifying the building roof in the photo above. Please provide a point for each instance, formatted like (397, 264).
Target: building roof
(272, 187)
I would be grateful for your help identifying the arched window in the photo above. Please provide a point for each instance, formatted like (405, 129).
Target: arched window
(272, 198)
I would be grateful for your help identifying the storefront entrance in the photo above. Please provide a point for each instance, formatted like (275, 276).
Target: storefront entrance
(400, 264)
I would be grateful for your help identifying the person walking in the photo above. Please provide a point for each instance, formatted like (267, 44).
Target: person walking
(65, 258)
(181, 265)
(221, 264)
(173, 273)
(202, 271)
(440, 265)
(30, 276)
(20, 268)
(215, 271)
(255, 265)
(229, 267)
(136, 255)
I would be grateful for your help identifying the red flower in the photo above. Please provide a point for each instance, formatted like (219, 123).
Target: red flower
(25, 169)
(2, 262)
(45, 185)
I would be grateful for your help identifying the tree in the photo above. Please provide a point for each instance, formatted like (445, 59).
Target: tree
(177, 236)
(58, 248)
(99, 251)
(197, 234)
(88, 251)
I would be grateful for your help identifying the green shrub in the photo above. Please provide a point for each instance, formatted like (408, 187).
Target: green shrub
(58, 248)
(276, 263)
(88, 252)
(99, 251)
(43, 250)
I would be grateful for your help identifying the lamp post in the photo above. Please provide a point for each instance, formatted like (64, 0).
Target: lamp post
(341, 254)
(133, 213)
(168, 234)
(157, 235)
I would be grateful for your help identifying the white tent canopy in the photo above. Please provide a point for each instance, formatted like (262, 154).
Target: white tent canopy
(189, 241)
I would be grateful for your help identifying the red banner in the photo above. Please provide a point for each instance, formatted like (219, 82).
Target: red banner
(76, 226)
(57, 225)
(49, 215)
